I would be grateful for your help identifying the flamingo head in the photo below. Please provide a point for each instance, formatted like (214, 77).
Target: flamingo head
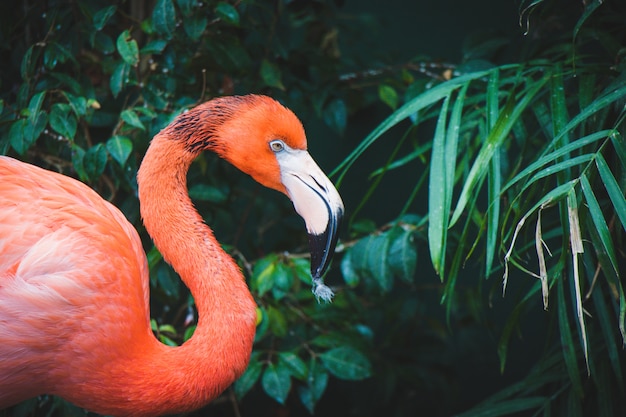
(267, 141)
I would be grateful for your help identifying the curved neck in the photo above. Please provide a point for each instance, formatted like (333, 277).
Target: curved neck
(220, 348)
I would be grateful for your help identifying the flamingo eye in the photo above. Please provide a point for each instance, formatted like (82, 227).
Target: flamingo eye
(277, 145)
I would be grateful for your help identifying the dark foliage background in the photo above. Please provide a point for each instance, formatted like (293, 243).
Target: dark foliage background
(479, 147)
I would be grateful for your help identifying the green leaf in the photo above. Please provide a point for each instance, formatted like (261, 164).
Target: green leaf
(195, 26)
(205, 192)
(508, 117)
(119, 78)
(422, 101)
(336, 115)
(438, 190)
(388, 95)
(348, 270)
(346, 363)
(128, 49)
(95, 161)
(598, 220)
(271, 75)
(155, 46)
(102, 16)
(276, 382)
(296, 366)
(249, 378)
(34, 106)
(277, 321)
(34, 127)
(567, 343)
(119, 147)
(317, 381)
(130, 117)
(228, 13)
(402, 257)
(78, 104)
(164, 18)
(62, 120)
(187, 6)
(17, 138)
(262, 279)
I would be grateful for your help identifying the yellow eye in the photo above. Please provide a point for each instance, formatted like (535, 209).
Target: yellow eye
(277, 145)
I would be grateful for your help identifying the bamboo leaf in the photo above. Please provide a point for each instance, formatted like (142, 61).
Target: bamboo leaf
(613, 189)
(599, 222)
(567, 342)
(509, 115)
(422, 101)
(546, 159)
(437, 214)
(576, 243)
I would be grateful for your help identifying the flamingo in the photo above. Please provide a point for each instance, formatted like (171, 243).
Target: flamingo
(74, 292)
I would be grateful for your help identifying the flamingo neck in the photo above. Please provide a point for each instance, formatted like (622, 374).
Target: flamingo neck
(220, 348)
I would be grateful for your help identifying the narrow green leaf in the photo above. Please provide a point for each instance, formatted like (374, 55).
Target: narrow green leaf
(598, 220)
(567, 342)
(346, 363)
(119, 147)
(620, 147)
(550, 157)
(509, 115)
(164, 17)
(437, 191)
(602, 311)
(590, 7)
(276, 382)
(576, 245)
(494, 185)
(423, 100)
(616, 194)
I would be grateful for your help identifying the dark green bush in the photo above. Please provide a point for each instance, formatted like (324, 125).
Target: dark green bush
(506, 164)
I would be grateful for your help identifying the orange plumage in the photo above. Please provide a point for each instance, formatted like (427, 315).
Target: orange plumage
(74, 311)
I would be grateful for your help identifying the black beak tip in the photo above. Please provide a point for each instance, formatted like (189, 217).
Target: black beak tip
(322, 247)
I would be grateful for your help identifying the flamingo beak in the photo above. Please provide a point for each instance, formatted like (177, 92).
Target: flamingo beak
(317, 201)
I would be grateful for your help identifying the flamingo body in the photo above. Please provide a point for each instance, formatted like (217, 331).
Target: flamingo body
(74, 294)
